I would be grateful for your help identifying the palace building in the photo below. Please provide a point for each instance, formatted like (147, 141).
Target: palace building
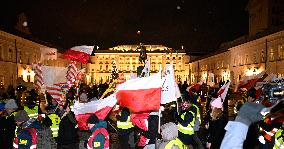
(126, 59)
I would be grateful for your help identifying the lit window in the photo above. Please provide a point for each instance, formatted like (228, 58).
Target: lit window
(271, 55)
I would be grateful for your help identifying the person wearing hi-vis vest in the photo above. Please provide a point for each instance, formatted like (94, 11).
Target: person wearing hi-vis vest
(100, 137)
(170, 140)
(55, 124)
(186, 121)
(125, 129)
(32, 109)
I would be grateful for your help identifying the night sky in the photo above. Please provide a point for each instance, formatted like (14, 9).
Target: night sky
(198, 25)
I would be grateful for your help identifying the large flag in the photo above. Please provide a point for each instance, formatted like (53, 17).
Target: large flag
(48, 54)
(100, 108)
(146, 70)
(170, 90)
(249, 82)
(71, 72)
(196, 86)
(141, 94)
(38, 76)
(224, 90)
(54, 79)
(79, 53)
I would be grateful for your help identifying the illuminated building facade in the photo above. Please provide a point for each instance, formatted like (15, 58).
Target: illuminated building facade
(245, 59)
(17, 55)
(126, 58)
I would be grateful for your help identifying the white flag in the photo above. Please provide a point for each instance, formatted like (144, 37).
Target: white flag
(146, 69)
(170, 91)
(48, 54)
(52, 75)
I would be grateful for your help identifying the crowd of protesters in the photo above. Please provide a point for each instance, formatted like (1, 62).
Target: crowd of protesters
(196, 120)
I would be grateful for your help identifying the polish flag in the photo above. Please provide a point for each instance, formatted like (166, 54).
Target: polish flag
(100, 108)
(79, 53)
(141, 94)
(196, 86)
(223, 91)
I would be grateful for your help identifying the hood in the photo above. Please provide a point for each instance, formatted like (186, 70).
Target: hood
(169, 131)
(100, 124)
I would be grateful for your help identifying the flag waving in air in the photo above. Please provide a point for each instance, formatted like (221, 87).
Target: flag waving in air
(140, 94)
(101, 108)
(224, 90)
(79, 53)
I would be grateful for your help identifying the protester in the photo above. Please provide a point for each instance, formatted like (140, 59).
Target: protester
(170, 140)
(26, 132)
(68, 132)
(216, 127)
(100, 137)
(9, 123)
(125, 129)
(186, 121)
(236, 131)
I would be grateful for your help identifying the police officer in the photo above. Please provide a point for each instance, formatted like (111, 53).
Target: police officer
(125, 128)
(186, 121)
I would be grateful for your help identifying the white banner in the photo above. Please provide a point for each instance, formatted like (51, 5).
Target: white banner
(170, 90)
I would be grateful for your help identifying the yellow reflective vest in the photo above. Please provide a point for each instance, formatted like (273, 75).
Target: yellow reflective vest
(189, 128)
(198, 117)
(55, 124)
(175, 142)
(124, 125)
(32, 113)
(279, 143)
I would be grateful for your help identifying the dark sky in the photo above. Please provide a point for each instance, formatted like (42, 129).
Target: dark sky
(199, 25)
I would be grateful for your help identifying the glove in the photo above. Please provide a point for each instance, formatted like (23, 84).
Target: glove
(249, 113)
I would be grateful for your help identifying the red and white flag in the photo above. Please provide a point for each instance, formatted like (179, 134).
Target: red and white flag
(196, 86)
(224, 90)
(54, 78)
(141, 94)
(100, 108)
(38, 76)
(79, 53)
(71, 72)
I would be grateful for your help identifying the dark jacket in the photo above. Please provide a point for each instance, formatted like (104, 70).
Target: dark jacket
(123, 118)
(185, 138)
(217, 132)
(68, 133)
(100, 137)
(9, 125)
(24, 135)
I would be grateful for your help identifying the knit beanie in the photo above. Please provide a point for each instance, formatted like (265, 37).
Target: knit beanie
(11, 104)
(21, 116)
(217, 103)
(93, 119)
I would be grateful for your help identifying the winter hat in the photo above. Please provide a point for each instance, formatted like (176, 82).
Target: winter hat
(169, 131)
(217, 103)
(93, 119)
(21, 116)
(11, 104)
(251, 92)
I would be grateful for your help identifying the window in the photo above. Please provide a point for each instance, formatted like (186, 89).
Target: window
(101, 67)
(254, 57)
(10, 54)
(271, 55)
(262, 56)
(280, 52)
(247, 59)
(235, 62)
(1, 53)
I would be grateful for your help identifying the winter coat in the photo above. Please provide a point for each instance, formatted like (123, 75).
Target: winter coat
(236, 133)
(24, 139)
(217, 132)
(169, 131)
(45, 139)
(185, 138)
(99, 137)
(123, 118)
(68, 132)
(9, 125)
